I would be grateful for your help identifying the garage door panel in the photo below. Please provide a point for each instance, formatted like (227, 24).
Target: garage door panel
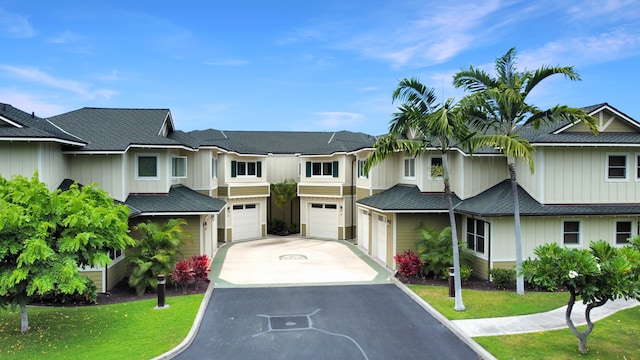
(323, 221)
(246, 221)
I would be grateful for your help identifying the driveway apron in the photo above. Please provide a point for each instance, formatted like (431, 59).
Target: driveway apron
(280, 299)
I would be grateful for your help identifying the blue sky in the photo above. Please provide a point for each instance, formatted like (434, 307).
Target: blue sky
(303, 65)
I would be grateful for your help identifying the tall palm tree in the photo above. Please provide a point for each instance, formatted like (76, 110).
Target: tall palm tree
(497, 107)
(436, 126)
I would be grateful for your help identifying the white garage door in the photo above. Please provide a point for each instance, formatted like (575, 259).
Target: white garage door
(363, 229)
(323, 221)
(245, 222)
(381, 238)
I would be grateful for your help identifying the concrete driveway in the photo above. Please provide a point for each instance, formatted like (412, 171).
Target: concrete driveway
(278, 298)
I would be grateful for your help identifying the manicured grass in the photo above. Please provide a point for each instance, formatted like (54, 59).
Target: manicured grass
(484, 304)
(132, 330)
(614, 337)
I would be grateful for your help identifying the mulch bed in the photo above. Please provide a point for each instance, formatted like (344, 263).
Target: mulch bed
(123, 293)
(472, 283)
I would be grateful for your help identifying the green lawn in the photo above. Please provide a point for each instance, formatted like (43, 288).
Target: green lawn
(483, 304)
(132, 330)
(615, 337)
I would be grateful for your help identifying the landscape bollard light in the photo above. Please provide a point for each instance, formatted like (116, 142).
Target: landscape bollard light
(161, 288)
(452, 288)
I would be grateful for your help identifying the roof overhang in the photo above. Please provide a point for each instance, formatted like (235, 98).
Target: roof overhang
(43, 139)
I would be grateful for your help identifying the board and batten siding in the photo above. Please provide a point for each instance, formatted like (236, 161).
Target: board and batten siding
(53, 165)
(282, 167)
(585, 169)
(157, 186)
(18, 158)
(479, 173)
(103, 170)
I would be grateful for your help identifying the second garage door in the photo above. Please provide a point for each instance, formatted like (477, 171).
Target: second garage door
(323, 221)
(246, 222)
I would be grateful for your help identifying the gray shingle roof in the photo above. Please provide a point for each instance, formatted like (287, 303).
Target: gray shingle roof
(33, 127)
(66, 184)
(116, 129)
(403, 197)
(284, 142)
(498, 201)
(180, 199)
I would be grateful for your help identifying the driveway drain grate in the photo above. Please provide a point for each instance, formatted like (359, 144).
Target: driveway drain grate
(288, 322)
(293, 257)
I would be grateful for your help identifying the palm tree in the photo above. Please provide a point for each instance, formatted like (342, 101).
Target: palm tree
(436, 126)
(497, 107)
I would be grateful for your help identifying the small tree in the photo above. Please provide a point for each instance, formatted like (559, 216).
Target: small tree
(598, 274)
(156, 253)
(435, 249)
(283, 193)
(45, 236)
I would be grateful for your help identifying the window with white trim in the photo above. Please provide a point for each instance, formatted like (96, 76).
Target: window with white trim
(410, 168)
(361, 173)
(624, 232)
(246, 169)
(322, 168)
(571, 232)
(637, 166)
(116, 254)
(179, 167)
(436, 167)
(146, 166)
(476, 236)
(616, 167)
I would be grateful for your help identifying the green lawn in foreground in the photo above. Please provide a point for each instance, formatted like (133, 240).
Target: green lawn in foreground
(615, 337)
(483, 304)
(132, 330)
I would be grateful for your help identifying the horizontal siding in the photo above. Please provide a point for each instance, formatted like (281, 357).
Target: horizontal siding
(223, 191)
(191, 244)
(243, 191)
(319, 190)
(115, 273)
(407, 236)
(480, 268)
(95, 276)
(362, 193)
(347, 190)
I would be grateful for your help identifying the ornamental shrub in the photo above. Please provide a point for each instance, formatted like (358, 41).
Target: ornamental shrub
(191, 271)
(409, 264)
(503, 278)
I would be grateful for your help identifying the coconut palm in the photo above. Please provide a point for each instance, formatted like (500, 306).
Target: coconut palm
(439, 127)
(498, 108)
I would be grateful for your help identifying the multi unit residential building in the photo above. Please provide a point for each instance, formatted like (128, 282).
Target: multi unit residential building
(584, 187)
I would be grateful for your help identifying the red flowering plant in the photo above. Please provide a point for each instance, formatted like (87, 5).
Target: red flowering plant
(409, 264)
(191, 271)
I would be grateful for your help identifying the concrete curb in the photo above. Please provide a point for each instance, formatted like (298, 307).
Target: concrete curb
(194, 328)
(482, 352)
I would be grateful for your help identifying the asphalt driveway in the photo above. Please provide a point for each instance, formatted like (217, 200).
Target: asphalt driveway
(321, 322)
(293, 298)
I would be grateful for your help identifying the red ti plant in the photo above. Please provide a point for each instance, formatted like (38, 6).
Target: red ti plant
(409, 264)
(191, 271)
(182, 275)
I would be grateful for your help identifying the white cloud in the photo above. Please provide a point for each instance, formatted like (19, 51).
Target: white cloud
(335, 120)
(66, 37)
(29, 103)
(42, 78)
(15, 26)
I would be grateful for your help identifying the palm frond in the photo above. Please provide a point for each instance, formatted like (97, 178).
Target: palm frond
(473, 80)
(511, 146)
(545, 71)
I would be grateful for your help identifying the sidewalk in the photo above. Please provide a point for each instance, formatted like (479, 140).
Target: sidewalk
(551, 320)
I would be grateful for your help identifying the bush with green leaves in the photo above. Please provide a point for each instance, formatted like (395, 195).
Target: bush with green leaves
(157, 253)
(503, 278)
(435, 249)
(597, 275)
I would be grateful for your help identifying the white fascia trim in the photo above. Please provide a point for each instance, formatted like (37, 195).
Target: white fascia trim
(586, 144)
(11, 122)
(324, 155)
(248, 155)
(403, 211)
(106, 152)
(186, 213)
(40, 139)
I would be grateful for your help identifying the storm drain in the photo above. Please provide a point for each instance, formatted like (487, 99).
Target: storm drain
(288, 322)
(293, 257)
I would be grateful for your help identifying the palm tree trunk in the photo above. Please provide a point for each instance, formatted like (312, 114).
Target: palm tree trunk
(516, 217)
(457, 281)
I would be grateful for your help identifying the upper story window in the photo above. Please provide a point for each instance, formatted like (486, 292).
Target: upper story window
(623, 232)
(410, 168)
(322, 168)
(436, 167)
(476, 236)
(179, 167)
(214, 168)
(616, 167)
(571, 232)
(147, 166)
(246, 168)
(361, 173)
(637, 166)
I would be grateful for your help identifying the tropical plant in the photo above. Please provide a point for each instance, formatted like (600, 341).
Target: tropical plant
(497, 108)
(45, 236)
(409, 264)
(597, 275)
(435, 250)
(440, 127)
(283, 193)
(503, 278)
(156, 253)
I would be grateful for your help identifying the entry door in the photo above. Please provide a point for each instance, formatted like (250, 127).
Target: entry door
(246, 222)
(323, 221)
(363, 225)
(382, 238)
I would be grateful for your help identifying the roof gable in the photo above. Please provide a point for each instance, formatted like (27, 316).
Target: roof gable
(16, 124)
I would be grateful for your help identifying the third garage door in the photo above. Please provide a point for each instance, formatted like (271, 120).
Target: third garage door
(323, 221)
